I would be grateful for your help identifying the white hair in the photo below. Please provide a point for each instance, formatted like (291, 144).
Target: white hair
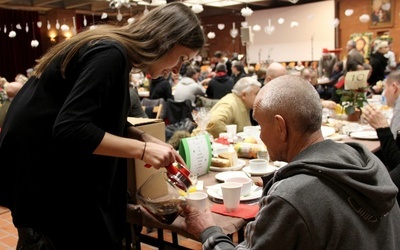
(244, 85)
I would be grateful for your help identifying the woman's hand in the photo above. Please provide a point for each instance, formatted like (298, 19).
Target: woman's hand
(158, 145)
(374, 117)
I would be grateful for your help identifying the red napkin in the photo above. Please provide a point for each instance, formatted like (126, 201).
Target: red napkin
(244, 211)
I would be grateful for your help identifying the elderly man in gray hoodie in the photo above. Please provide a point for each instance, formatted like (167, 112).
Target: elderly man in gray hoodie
(329, 196)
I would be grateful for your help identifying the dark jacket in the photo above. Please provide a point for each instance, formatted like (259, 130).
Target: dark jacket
(219, 86)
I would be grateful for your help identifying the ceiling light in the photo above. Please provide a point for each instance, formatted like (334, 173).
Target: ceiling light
(197, 8)
(336, 22)
(221, 26)
(211, 35)
(246, 12)
(233, 32)
(349, 12)
(364, 18)
(270, 28)
(281, 20)
(256, 28)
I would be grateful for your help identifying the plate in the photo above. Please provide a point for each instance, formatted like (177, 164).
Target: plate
(269, 169)
(225, 175)
(216, 192)
(238, 166)
(327, 131)
(366, 135)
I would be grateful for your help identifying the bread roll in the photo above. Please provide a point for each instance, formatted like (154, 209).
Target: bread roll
(219, 162)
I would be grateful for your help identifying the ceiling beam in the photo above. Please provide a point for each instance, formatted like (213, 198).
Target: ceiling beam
(71, 4)
(100, 6)
(43, 2)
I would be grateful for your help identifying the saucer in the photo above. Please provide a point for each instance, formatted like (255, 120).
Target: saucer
(268, 170)
(239, 164)
(225, 175)
(216, 192)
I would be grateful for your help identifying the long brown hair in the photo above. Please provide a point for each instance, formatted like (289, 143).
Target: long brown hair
(145, 40)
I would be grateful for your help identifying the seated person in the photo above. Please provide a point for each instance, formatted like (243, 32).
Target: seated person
(310, 75)
(189, 87)
(221, 84)
(329, 196)
(234, 108)
(389, 150)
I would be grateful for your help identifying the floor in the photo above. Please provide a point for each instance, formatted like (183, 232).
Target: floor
(9, 235)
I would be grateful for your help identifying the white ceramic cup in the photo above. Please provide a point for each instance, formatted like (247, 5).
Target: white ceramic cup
(246, 183)
(258, 165)
(197, 200)
(231, 129)
(231, 192)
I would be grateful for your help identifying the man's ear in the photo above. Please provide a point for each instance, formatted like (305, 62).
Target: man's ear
(281, 128)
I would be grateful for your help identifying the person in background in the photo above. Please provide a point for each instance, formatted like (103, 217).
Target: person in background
(160, 87)
(392, 64)
(378, 61)
(251, 72)
(221, 84)
(310, 75)
(392, 93)
(11, 91)
(221, 58)
(346, 177)
(189, 87)
(29, 72)
(136, 109)
(389, 150)
(326, 63)
(234, 108)
(237, 71)
(261, 75)
(274, 70)
(353, 54)
(21, 78)
(67, 188)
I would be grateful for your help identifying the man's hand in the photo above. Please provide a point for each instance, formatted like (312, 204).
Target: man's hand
(197, 221)
(374, 117)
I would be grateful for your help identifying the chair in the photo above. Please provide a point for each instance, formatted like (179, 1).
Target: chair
(155, 111)
(178, 111)
(149, 105)
(205, 102)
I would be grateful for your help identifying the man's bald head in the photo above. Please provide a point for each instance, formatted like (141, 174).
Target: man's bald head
(274, 70)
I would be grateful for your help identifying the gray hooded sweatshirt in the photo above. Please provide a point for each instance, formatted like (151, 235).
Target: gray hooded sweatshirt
(331, 196)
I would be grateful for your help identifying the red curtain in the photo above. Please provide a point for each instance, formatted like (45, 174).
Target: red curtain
(17, 54)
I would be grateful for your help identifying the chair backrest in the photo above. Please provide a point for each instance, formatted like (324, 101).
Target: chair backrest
(178, 111)
(151, 103)
(206, 102)
(155, 111)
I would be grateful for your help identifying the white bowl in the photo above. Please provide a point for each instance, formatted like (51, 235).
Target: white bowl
(245, 181)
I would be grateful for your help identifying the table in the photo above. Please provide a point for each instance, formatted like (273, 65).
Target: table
(137, 215)
(373, 145)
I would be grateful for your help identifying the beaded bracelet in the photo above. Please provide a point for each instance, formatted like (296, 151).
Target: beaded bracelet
(144, 150)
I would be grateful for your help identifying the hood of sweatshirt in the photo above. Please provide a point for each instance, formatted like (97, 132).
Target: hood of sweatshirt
(187, 81)
(350, 167)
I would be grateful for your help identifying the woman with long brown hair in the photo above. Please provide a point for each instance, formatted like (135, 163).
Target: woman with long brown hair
(66, 136)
